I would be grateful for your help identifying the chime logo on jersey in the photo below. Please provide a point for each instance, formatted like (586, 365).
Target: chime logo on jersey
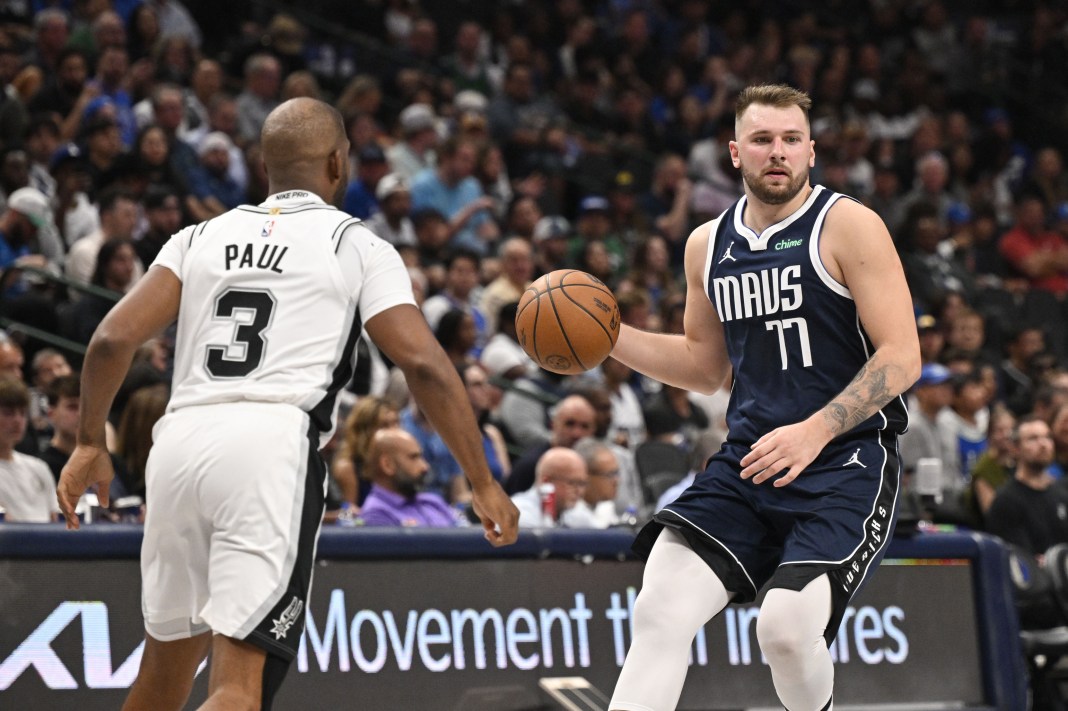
(268, 228)
(760, 293)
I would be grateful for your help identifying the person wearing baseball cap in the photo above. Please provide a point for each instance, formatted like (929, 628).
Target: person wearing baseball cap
(32, 204)
(932, 340)
(550, 243)
(360, 200)
(76, 216)
(415, 150)
(932, 431)
(392, 222)
(28, 214)
(213, 183)
(594, 224)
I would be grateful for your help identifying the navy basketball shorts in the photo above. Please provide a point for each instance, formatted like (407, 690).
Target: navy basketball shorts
(836, 518)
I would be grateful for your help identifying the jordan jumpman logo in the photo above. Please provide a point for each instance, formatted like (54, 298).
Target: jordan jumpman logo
(727, 255)
(855, 459)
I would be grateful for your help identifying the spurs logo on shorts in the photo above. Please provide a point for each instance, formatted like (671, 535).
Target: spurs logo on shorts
(288, 618)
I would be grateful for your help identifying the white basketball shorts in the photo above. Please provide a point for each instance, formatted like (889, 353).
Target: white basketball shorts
(235, 496)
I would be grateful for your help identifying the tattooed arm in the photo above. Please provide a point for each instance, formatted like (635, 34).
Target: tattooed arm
(865, 396)
(858, 252)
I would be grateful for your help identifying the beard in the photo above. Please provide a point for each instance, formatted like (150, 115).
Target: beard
(407, 486)
(774, 194)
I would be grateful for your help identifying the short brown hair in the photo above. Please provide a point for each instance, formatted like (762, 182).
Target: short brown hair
(778, 95)
(69, 386)
(1026, 420)
(14, 393)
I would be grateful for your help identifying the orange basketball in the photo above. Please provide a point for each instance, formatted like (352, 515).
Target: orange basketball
(568, 321)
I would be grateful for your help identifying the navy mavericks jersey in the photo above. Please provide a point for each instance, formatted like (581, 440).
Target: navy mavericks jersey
(793, 334)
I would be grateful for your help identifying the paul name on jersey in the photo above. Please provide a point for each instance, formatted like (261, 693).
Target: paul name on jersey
(761, 293)
(263, 256)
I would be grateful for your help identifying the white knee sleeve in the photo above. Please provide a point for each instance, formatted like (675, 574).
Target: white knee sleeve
(790, 630)
(679, 594)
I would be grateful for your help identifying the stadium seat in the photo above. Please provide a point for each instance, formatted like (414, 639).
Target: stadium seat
(1045, 310)
(1042, 603)
(656, 484)
(1000, 313)
(660, 465)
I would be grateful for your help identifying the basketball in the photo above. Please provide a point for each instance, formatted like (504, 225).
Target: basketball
(567, 321)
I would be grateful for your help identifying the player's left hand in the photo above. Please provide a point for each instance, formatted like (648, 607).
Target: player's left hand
(790, 448)
(500, 517)
(88, 465)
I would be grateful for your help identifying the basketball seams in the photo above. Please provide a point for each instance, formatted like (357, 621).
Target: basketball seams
(534, 327)
(590, 314)
(554, 337)
(560, 323)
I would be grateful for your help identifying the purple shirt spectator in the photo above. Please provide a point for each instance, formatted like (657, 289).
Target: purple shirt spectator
(385, 508)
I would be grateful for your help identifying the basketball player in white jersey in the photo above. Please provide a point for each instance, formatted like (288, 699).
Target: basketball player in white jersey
(270, 301)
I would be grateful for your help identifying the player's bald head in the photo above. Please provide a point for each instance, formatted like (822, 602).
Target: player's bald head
(298, 137)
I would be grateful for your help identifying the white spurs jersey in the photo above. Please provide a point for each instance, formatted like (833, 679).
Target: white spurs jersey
(273, 301)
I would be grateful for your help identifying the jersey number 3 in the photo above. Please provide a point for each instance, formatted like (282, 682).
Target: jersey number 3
(251, 311)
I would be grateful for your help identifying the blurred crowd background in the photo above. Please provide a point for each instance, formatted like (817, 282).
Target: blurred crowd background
(493, 142)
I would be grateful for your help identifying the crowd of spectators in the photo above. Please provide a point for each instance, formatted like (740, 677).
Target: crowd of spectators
(492, 144)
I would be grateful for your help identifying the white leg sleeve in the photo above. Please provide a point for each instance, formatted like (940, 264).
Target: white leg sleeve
(790, 630)
(679, 594)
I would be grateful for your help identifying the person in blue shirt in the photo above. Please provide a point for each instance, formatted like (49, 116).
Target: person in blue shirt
(452, 190)
(360, 200)
(27, 211)
(397, 469)
(212, 181)
(445, 472)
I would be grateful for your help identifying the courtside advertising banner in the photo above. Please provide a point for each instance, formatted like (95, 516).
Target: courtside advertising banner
(479, 634)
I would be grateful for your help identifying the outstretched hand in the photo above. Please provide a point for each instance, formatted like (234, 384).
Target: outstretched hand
(88, 465)
(790, 448)
(499, 516)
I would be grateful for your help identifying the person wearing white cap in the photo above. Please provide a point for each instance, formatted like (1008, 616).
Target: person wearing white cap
(393, 222)
(415, 150)
(213, 184)
(550, 243)
(27, 233)
(470, 101)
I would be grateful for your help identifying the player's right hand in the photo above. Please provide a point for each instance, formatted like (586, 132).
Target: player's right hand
(500, 517)
(88, 465)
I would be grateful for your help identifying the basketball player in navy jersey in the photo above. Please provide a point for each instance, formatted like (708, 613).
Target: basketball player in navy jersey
(799, 292)
(270, 300)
